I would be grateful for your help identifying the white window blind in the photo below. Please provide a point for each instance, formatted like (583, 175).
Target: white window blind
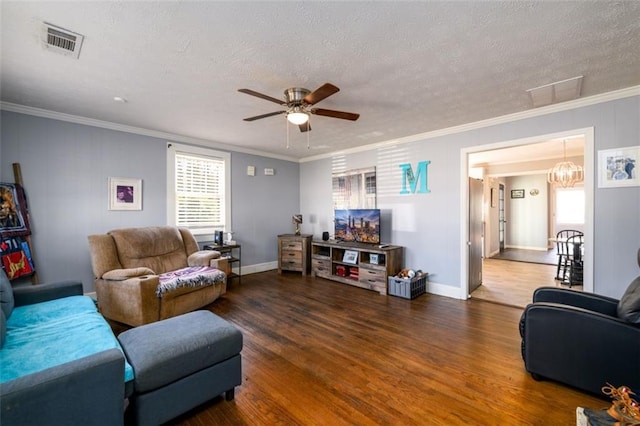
(355, 189)
(200, 191)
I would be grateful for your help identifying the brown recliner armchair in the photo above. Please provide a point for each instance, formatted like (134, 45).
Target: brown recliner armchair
(147, 274)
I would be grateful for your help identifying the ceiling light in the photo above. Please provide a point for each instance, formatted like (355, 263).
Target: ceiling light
(297, 117)
(565, 173)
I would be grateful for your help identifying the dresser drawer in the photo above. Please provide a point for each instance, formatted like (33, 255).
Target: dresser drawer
(321, 267)
(291, 245)
(288, 255)
(375, 274)
(291, 264)
(373, 278)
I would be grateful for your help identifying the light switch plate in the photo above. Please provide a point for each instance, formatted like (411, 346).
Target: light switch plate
(268, 172)
(251, 170)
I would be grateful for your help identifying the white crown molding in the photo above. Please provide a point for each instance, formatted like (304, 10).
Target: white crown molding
(171, 137)
(550, 109)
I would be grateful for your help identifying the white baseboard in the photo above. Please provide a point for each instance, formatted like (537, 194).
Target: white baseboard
(259, 267)
(432, 287)
(446, 290)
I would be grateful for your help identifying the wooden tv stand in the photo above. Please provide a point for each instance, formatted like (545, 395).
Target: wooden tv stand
(328, 261)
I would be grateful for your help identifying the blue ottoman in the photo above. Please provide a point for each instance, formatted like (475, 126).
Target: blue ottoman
(180, 363)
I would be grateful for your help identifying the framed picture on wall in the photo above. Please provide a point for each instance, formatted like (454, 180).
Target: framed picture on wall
(125, 194)
(517, 193)
(618, 167)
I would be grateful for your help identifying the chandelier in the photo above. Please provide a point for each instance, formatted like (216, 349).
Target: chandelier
(565, 173)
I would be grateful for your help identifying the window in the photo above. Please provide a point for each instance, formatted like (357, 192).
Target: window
(354, 189)
(198, 189)
(570, 206)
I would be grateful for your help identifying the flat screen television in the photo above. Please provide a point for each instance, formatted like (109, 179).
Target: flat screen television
(358, 225)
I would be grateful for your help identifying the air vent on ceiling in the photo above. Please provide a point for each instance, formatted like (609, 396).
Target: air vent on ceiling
(560, 91)
(61, 41)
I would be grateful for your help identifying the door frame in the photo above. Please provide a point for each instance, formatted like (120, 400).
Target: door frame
(474, 245)
(589, 188)
(502, 217)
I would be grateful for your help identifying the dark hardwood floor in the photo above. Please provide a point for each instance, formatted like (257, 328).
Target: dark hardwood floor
(317, 352)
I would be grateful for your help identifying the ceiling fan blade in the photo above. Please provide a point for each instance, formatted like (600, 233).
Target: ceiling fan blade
(261, 96)
(335, 114)
(258, 117)
(320, 93)
(305, 127)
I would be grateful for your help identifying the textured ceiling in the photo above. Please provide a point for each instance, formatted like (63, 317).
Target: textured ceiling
(406, 67)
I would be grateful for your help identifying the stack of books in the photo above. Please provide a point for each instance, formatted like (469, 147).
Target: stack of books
(353, 273)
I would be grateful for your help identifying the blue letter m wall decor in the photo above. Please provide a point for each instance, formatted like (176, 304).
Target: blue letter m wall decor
(417, 181)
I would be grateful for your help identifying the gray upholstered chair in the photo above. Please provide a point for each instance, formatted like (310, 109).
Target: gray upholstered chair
(582, 339)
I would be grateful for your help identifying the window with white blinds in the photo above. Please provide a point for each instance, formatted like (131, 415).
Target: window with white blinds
(355, 189)
(198, 189)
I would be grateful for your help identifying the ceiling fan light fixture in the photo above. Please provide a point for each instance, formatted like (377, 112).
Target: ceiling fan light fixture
(297, 117)
(298, 103)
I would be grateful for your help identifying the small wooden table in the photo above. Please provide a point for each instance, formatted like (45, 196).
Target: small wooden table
(227, 250)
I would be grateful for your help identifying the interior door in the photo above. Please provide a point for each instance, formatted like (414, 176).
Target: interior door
(501, 218)
(476, 231)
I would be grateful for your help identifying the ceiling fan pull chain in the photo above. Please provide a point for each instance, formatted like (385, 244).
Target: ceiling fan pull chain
(308, 128)
(286, 123)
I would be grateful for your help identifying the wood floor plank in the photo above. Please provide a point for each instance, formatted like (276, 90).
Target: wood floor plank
(317, 352)
(513, 283)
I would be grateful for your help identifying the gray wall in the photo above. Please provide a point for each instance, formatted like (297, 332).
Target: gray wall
(262, 206)
(65, 168)
(528, 217)
(428, 225)
(499, 174)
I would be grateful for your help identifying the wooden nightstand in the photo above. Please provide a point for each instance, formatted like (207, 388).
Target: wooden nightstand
(294, 253)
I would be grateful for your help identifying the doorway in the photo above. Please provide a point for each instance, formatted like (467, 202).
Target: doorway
(588, 137)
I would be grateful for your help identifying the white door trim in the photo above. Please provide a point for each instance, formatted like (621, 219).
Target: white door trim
(589, 182)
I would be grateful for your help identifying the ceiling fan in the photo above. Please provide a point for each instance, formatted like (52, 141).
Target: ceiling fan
(298, 105)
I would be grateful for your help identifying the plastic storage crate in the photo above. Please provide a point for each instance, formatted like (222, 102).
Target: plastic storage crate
(408, 288)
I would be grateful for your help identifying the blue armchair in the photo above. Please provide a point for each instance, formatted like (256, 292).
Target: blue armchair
(581, 339)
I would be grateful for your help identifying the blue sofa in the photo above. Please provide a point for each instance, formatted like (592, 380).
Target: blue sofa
(61, 363)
